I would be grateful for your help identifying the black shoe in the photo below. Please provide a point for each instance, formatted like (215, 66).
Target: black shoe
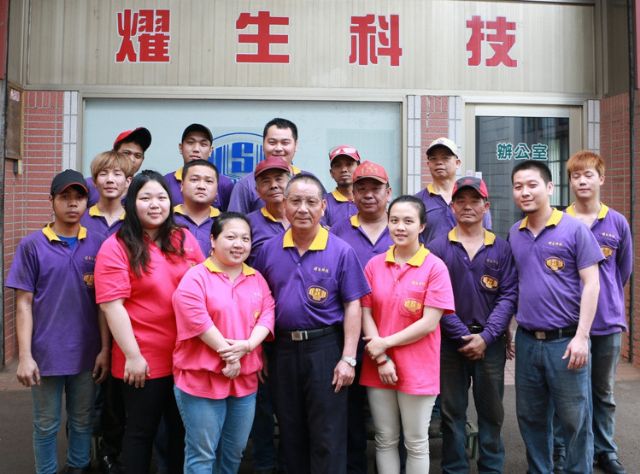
(610, 464)
(109, 465)
(75, 470)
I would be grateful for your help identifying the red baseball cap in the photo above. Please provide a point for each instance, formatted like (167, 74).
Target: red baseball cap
(471, 182)
(368, 169)
(140, 135)
(271, 163)
(346, 150)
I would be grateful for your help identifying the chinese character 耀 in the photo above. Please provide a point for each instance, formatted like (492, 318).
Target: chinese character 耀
(370, 40)
(497, 36)
(150, 29)
(263, 38)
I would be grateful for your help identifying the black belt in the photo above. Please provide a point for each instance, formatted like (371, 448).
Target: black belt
(552, 333)
(307, 334)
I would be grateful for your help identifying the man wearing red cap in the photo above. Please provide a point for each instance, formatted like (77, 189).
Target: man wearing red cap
(343, 161)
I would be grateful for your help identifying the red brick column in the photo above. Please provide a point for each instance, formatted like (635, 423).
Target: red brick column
(434, 124)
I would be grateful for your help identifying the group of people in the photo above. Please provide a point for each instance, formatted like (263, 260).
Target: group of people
(188, 310)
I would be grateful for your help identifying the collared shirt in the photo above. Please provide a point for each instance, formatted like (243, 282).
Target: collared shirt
(350, 230)
(202, 231)
(66, 337)
(311, 290)
(263, 227)
(550, 289)
(147, 298)
(95, 221)
(339, 208)
(440, 216)
(225, 187)
(204, 298)
(612, 232)
(399, 294)
(485, 288)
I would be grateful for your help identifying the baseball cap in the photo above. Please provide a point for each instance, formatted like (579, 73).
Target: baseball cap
(271, 163)
(140, 135)
(445, 142)
(473, 183)
(346, 150)
(368, 169)
(67, 178)
(197, 127)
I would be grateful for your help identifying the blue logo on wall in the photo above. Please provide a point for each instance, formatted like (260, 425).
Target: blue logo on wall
(236, 154)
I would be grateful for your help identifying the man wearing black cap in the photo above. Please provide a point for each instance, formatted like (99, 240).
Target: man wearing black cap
(62, 345)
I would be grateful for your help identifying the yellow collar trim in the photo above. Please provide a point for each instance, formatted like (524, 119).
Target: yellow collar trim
(268, 215)
(355, 220)
(52, 236)
(339, 196)
(415, 261)
(604, 210)
(178, 174)
(95, 212)
(319, 241)
(489, 237)
(295, 169)
(213, 268)
(430, 189)
(180, 209)
(554, 219)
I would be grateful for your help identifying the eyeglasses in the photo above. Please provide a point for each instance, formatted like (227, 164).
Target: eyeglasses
(129, 154)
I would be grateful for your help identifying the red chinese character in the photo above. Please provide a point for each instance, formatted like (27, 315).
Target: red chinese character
(127, 28)
(154, 48)
(500, 41)
(264, 39)
(368, 40)
(474, 45)
(145, 21)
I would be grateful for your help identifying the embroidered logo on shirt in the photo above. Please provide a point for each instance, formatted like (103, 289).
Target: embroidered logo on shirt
(88, 279)
(317, 294)
(418, 282)
(321, 269)
(554, 263)
(412, 305)
(607, 251)
(90, 258)
(489, 282)
(492, 263)
(555, 244)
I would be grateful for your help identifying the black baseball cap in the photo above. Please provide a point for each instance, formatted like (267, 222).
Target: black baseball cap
(197, 127)
(68, 178)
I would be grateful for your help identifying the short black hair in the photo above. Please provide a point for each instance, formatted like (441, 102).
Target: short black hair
(542, 168)
(281, 123)
(217, 226)
(193, 163)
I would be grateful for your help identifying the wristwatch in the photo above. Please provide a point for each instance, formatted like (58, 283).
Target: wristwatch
(349, 360)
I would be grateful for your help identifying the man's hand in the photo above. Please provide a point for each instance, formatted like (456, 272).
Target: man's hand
(101, 367)
(343, 375)
(577, 352)
(474, 347)
(28, 373)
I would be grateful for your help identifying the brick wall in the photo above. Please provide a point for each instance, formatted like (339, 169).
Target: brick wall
(26, 206)
(614, 148)
(434, 124)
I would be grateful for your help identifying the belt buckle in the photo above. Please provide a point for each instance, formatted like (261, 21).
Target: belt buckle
(298, 335)
(540, 335)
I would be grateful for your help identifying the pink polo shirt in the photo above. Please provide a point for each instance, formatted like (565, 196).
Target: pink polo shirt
(398, 296)
(147, 298)
(205, 298)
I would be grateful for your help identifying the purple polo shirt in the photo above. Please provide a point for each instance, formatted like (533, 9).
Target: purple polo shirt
(201, 232)
(612, 232)
(94, 195)
(310, 290)
(440, 216)
(352, 233)
(66, 337)
(549, 289)
(225, 186)
(339, 208)
(95, 222)
(263, 227)
(485, 288)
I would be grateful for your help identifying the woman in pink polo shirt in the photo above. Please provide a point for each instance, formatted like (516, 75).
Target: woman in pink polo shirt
(224, 310)
(410, 290)
(137, 270)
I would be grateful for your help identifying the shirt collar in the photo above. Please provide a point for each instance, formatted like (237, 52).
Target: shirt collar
(178, 174)
(430, 189)
(213, 268)
(355, 220)
(415, 261)
(554, 219)
(295, 169)
(338, 196)
(180, 209)
(268, 215)
(52, 236)
(319, 241)
(489, 237)
(95, 212)
(604, 210)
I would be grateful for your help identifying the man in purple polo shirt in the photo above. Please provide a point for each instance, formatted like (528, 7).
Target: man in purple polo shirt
(198, 186)
(196, 144)
(61, 344)
(484, 280)
(317, 283)
(586, 174)
(111, 173)
(131, 144)
(368, 234)
(343, 161)
(557, 260)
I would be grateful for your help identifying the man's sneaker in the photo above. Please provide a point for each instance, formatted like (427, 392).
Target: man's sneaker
(108, 465)
(610, 464)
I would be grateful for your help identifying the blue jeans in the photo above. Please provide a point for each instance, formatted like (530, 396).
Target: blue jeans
(542, 382)
(216, 431)
(605, 353)
(47, 400)
(456, 374)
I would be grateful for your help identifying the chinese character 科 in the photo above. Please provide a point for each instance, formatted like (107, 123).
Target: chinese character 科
(370, 40)
(500, 41)
(522, 152)
(504, 151)
(539, 151)
(150, 29)
(263, 38)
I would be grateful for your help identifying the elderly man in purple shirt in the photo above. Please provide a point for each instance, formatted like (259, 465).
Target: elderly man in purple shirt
(484, 282)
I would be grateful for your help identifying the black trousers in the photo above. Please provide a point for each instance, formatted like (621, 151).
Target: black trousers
(112, 418)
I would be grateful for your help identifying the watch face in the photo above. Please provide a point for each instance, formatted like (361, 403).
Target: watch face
(349, 360)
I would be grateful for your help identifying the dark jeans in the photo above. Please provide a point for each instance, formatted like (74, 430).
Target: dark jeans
(263, 431)
(144, 408)
(357, 426)
(312, 418)
(112, 418)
